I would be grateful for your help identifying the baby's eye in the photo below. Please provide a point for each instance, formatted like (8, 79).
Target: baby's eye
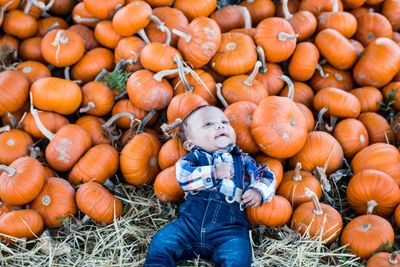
(225, 122)
(208, 124)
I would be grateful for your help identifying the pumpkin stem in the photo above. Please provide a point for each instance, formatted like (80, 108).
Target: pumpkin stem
(53, 27)
(285, 9)
(186, 37)
(79, 19)
(66, 73)
(42, 5)
(11, 119)
(297, 172)
(101, 75)
(332, 125)
(320, 122)
(252, 76)
(49, 135)
(165, 128)
(28, 6)
(60, 39)
(220, 96)
(317, 206)
(34, 151)
(118, 116)
(143, 35)
(181, 73)
(371, 204)
(162, 27)
(145, 121)
(393, 258)
(247, 17)
(5, 128)
(283, 36)
(91, 105)
(2, 12)
(321, 71)
(261, 55)
(161, 74)
(108, 184)
(321, 174)
(46, 200)
(10, 171)
(198, 79)
(290, 85)
(335, 6)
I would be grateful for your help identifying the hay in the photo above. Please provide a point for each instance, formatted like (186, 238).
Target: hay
(125, 242)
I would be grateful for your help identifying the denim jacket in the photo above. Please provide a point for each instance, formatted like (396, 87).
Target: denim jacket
(196, 172)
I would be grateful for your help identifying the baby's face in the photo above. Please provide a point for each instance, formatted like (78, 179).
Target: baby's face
(210, 129)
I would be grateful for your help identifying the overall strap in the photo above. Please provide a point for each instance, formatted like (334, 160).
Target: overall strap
(238, 166)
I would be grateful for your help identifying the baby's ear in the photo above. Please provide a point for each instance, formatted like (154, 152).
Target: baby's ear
(188, 145)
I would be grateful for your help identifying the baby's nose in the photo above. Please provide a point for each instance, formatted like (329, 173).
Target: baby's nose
(220, 125)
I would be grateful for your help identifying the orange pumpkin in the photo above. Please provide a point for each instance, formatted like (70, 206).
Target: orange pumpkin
(14, 88)
(173, 19)
(303, 62)
(317, 220)
(94, 127)
(158, 56)
(320, 6)
(87, 35)
(336, 49)
(125, 24)
(14, 144)
(25, 223)
(33, 70)
(129, 49)
(20, 24)
(200, 41)
(379, 156)
(97, 59)
(62, 48)
(270, 76)
(369, 98)
(166, 186)
(52, 121)
(372, 26)
(125, 105)
(339, 103)
(56, 94)
(379, 63)
(170, 153)
(105, 10)
(98, 164)
(372, 191)
(320, 150)
(390, 9)
(50, 23)
(259, 9)
(98, 99)
(302, 93)
(295, 182)
(236, 54)
(373, 228)
(138, 159)
(30, 49)
(274, 213)
(240, 116)
(193, 10)
(352, 136)
(148, 91)
(277, 37)
(393, 89)
(106, 35)
(21, 181)
(55, 202)
(379, 130)
(230, 17)
(81, 15)
(279, 119)
(97, 203)
(332, 77)
(384, 259)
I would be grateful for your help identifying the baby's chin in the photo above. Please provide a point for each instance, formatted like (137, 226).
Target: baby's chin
(223, 142)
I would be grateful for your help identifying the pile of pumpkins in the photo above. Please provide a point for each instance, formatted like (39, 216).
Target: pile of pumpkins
(99, 87)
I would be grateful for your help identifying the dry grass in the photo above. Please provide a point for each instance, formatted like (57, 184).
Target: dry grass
(124, 243)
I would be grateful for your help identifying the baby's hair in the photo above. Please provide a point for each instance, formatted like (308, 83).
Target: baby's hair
(183, 125)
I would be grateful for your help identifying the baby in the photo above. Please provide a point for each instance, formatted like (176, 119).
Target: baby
(219, 181)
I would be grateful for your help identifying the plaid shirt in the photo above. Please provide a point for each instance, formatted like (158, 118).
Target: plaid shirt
(194, 178)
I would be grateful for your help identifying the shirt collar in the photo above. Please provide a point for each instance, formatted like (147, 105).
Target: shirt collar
(228, 149)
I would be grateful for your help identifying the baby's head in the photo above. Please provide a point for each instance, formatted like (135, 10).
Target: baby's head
(207, 127)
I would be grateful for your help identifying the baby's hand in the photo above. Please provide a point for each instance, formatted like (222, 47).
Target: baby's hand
(251, 198)
(223, 170)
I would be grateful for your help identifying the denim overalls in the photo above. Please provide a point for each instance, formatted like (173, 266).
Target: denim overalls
(208, 226)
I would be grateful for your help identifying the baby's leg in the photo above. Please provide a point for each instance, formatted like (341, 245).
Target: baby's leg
(234, 252)
(169, 245)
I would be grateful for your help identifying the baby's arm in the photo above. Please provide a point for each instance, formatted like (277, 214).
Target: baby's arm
(262, 179)
(194, 178)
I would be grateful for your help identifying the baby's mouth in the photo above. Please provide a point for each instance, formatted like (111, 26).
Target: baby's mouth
(221, 135)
